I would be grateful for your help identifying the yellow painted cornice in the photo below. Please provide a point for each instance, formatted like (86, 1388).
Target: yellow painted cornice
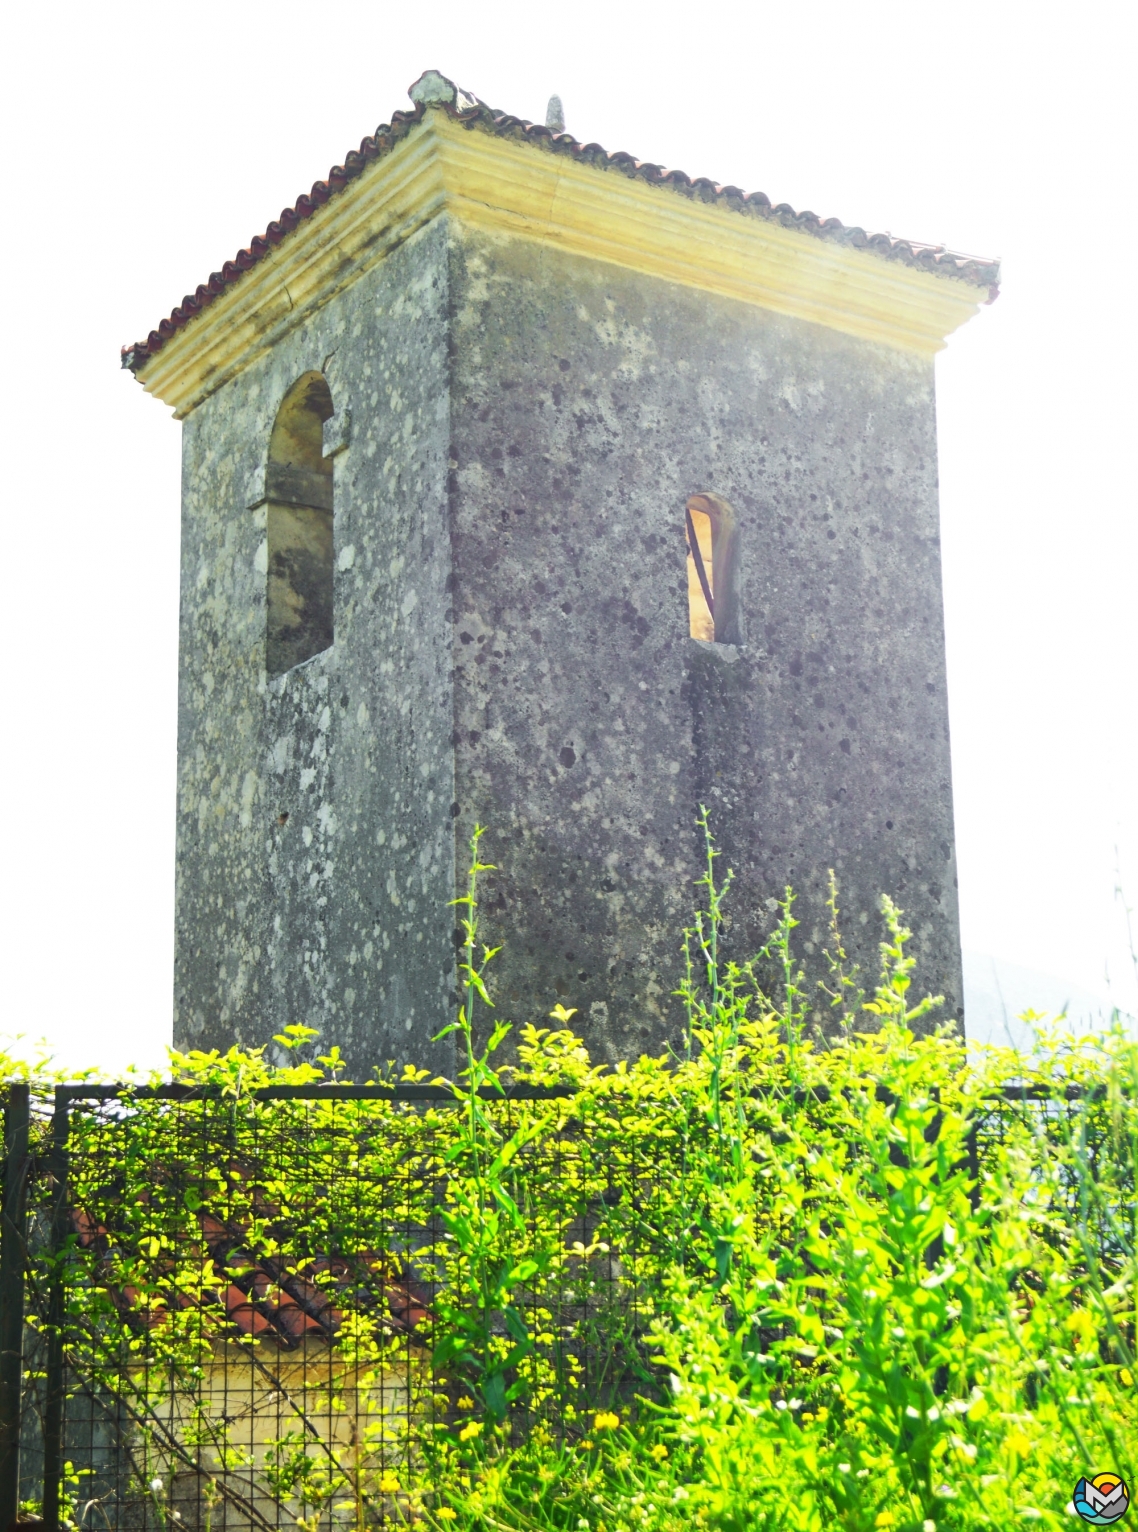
(497, 184)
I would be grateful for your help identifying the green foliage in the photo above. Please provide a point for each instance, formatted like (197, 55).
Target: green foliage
(486, 1339)
(778, 1284)
(897, 1303)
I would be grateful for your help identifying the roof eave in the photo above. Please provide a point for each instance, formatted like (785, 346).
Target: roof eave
(470, 164)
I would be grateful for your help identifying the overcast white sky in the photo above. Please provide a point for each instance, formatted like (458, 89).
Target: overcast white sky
(144, 143)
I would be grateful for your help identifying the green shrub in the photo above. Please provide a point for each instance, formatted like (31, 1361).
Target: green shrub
(897, 1300)
(818, 1281)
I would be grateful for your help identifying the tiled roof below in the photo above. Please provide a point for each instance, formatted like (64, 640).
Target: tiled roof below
(436, 91)
(263, 1295)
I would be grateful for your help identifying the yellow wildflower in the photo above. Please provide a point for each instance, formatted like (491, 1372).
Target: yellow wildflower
(470, 1430)
(466, 1403)
(659, 1452)
(1126, 1377)
(606, 1421)
(1019, 1443)
(444, 1513)
(587, 1446)
(388, 1484)
(884, 1519)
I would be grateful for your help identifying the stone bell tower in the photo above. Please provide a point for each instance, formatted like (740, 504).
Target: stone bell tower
(533, 485)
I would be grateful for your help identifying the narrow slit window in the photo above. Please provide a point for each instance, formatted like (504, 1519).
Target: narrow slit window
(711, 536)
(298, 489)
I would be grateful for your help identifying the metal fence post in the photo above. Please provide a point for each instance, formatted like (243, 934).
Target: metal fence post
(13, 1237)
(56, 1311)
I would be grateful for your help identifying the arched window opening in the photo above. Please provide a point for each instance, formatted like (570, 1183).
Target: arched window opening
(298, 489)
(712, 537)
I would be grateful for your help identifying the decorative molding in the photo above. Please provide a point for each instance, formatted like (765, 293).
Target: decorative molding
(491, 183)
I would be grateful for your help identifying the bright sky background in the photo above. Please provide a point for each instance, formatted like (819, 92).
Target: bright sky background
(144, 143)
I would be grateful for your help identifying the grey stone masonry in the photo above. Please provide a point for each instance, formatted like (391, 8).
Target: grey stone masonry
(516, 433)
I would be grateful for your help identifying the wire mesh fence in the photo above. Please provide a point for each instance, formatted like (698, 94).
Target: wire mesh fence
(286, 1310)
(253, 1341)
(1084, 1137)
(1079, 1139)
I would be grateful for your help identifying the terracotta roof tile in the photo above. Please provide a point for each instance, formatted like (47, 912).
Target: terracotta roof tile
(474, 113)
(258, 1294)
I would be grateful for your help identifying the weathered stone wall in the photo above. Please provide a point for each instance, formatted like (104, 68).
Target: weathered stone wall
(315, 841)
(511, 646)
(588, 404)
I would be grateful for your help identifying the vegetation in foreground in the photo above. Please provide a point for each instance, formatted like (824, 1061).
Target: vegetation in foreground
(873, 1296)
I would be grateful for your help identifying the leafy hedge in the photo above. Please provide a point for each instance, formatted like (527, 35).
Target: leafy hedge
(780, 1282)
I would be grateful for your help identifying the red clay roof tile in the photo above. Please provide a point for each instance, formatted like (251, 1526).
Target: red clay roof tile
(473, 113)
